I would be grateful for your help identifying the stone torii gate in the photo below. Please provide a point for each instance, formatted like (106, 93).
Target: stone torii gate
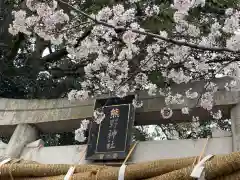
(24, 119)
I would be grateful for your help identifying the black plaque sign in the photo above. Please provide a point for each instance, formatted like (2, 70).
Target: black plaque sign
(111, 139)
(5, 21)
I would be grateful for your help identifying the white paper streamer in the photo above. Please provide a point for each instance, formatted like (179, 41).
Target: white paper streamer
(121, 172)
(69, 173)
(198, 169)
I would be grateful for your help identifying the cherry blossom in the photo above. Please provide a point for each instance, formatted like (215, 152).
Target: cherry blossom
(166, 113)
(98, 116)
(118, 54)
(79, 133)
(137, 103)
(44, 75)
(185, 110)
(217, 115)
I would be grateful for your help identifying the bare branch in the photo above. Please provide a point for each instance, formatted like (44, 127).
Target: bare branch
(16, 45)
(55, 55)
(58, 72)
(49, 48)
(226, 59)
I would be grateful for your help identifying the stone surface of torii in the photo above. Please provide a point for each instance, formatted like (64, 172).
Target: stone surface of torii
(30, 116)
(61, 115)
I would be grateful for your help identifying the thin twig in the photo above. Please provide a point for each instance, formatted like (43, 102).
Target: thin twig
(203, 150)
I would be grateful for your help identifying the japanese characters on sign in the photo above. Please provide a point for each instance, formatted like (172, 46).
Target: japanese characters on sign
(115, 113)
(111, 139)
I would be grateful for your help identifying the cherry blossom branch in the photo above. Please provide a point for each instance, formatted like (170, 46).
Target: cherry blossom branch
(208, 81)
(59, 73)
(177, 42)
(63, 52)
